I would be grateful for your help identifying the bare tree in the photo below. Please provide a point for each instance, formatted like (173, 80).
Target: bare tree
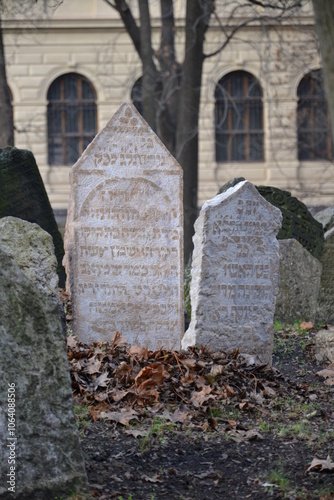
(171, 90)
(171, 94)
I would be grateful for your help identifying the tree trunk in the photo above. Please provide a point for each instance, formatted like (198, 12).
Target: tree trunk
(324, 21)
(171, 96)
(197, 17)
(149, 79)
(6, 112)
(170, 74)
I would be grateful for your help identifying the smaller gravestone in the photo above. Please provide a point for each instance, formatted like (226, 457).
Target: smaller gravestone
(298, 222)
(235, 274)
(40, 455)
(124, 237)
(299, 283)
(23, 195)
(325, 312)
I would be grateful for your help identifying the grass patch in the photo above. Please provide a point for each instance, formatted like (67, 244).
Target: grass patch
(277, 479)
(82, 416)
(157, 431)
(288, 337)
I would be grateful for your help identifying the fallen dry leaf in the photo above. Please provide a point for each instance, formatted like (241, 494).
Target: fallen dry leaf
(93, 365)
(154, 373)
(326, 373)
(71, 341)
(136, 433)
(123, 417)
(189, 362)
(216, 370)
(138, 352)
(153, 479)
(177, 416)
(101, 381)
(306, 325)
(199, 397)
(321, 465)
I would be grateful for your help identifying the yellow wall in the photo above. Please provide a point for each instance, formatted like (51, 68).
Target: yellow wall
(87, 37)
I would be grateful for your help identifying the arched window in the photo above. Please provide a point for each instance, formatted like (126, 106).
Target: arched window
(314, 133)
(239, 118)
(71, 118)
(136, 95)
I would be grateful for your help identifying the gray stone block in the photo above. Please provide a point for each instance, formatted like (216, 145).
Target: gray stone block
(48, 461)
(299, 283)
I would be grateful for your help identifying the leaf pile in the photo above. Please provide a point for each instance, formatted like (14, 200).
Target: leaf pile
(122, 383)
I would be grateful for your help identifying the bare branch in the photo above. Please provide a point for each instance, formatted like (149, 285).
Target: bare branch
(129, 22)
(229, 37)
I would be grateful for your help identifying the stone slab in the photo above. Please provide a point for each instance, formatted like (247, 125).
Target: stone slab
(23, 195)
(44, 443)
(299, 283)
(124, 237)
(325, 311)
(235, 273)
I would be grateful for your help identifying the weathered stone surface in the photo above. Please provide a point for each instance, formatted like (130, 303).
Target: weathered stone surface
(33, 250)
(299, 282)
(235, 273)
(47, 456)
(23, 195)
(324, 345)
(298, 222)
(325, 312)
(124, 236)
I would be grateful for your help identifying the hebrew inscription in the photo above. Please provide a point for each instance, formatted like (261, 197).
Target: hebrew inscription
(124, 237)
(235, 273)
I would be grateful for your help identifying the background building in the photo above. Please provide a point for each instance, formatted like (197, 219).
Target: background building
(263, 110)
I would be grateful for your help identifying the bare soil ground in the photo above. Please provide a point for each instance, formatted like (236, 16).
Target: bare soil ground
(205, 426)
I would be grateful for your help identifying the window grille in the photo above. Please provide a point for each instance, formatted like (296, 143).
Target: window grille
(239, 118)
(72, 118)
(314, 133)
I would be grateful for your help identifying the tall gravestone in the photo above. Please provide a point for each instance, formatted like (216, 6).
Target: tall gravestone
(23, 195)
(124, 237)
(235, 273)
(40, 455)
